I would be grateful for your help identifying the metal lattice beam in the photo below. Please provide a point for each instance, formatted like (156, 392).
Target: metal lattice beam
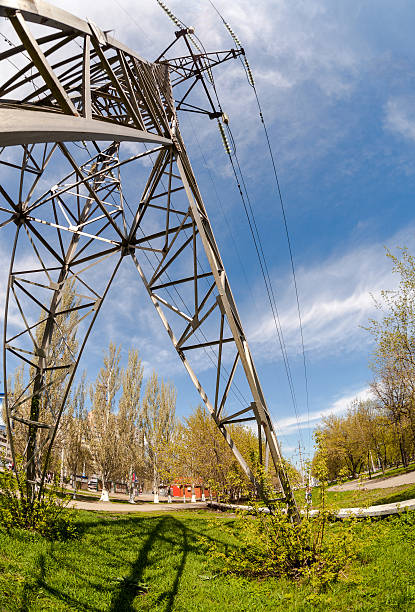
(73, 88)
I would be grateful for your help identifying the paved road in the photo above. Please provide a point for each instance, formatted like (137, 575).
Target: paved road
(378, 483)
(147, 507)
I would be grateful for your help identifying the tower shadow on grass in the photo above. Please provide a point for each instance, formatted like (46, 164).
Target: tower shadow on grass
(171, 594)
(95, 572)
(132, 585)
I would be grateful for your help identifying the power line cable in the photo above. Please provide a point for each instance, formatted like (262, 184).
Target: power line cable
(255, 234)
(258, 246)
(234, 388)
(266, 276)
(222, 210)
(251, 81)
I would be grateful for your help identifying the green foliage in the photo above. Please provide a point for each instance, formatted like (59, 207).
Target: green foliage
(48, 516)
(118, 557)
(361, 498)
(380, 432)
(272, 544)
(403, 527)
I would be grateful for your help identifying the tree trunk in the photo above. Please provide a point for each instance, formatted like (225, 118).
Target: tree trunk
(74, 485)
(401, 448)
(62, 464)
(131, 487)
(104, 493)
(155, 485)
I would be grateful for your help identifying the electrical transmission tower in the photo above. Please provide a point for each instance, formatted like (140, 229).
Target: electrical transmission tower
(94, 172)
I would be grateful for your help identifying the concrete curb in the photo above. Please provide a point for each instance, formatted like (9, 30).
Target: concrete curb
(371, 511)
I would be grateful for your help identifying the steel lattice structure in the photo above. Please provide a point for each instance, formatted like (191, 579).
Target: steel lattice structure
(74, 116)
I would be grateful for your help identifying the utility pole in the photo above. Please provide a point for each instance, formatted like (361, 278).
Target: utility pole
(83, 221)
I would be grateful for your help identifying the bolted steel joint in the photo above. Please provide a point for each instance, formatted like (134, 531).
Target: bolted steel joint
(19, 218)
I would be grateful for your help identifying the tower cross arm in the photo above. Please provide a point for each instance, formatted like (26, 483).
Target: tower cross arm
(190, 66)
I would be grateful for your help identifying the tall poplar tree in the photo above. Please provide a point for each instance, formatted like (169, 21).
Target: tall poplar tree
(74, 432)
(102, 420)
(158, 422)
(131, 443)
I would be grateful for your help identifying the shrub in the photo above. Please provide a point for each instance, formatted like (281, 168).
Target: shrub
(47, 516)
(272, 544)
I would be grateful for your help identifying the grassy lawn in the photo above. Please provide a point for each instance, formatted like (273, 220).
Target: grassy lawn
(389, 472)
(154, 562)
(372, 497)
(394, 471)
(361, 499)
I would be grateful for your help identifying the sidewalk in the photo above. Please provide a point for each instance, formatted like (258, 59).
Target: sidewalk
(139, 507)
(384, 483)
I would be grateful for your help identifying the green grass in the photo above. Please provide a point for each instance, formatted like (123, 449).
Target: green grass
(389, 472)
(359, 498)
(395, 471)
(154, 562)
(371, 497)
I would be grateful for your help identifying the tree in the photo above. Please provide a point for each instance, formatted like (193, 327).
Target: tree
(74, 432)
(18, 395)
(393, 362)
(344, 443)
(102, 422)
(131, 443)
(203, 453)
(206, 457)
(186, 462)
(28, 407)
(375, 428)
(158, 423)
(60, 343)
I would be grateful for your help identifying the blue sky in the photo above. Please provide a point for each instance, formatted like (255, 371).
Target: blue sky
(336, 83)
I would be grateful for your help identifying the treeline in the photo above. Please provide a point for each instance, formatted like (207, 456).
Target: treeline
(367, 439)
(121, 428)
(127, 432)
(380, 432)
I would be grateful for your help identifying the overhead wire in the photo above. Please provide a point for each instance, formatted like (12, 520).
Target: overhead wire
(251, 218)
(222, 210)
(246, 201)
(12, 44)
(132, 18)
(251, 82)
(245, 198)
(234, 388)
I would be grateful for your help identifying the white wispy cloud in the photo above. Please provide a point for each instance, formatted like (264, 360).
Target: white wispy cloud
(400, 116)
(337, 298)
(303, 58)
(310, 420)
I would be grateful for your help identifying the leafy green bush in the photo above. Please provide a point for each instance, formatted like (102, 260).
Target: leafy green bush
(47, 516)
(272, 544)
